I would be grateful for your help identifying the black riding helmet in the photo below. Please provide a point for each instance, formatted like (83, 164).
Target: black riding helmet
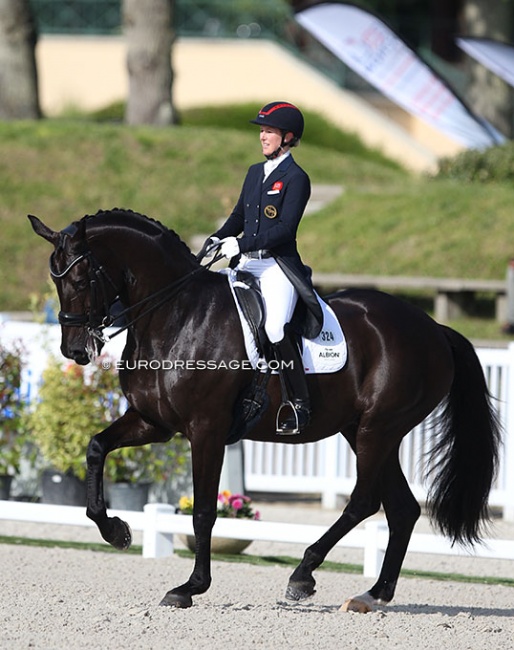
(283, 116)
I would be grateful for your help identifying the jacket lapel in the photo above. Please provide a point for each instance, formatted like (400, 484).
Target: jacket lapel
(278, 173)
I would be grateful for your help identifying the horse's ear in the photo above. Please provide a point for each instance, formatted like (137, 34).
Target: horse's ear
(43, 231)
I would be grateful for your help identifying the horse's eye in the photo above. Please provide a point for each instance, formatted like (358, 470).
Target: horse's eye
(80, 285)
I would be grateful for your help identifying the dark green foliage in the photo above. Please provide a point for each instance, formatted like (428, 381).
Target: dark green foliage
(495, 164)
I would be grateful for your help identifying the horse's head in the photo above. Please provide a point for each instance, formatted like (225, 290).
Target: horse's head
(85, 290)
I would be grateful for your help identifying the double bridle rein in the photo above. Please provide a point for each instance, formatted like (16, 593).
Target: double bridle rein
(96, 321)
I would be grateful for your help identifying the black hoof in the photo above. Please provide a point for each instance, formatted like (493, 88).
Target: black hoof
(118, 534)
(299, 590)
(172, 599)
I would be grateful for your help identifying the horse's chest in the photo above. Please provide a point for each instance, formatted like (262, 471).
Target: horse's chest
(148, 392)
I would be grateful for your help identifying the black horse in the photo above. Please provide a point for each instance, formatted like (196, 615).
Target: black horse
(401, 365)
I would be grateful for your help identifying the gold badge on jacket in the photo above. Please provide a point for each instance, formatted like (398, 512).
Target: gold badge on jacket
(270, 211)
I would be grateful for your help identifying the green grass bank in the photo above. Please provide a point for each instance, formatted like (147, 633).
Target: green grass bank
(385, 222)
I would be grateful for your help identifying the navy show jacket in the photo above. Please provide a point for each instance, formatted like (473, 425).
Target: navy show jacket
(267, 214)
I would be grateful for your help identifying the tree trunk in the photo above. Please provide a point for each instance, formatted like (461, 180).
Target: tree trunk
(488, 95)
(148, 29)
(18, 72)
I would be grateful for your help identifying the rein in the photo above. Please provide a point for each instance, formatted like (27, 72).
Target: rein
(166, 292)
(98, 276)
(173, 288)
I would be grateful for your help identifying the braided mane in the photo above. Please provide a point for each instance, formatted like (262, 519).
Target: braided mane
(141, 222)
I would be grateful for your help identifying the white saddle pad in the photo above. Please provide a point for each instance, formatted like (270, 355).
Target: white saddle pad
(324, 354)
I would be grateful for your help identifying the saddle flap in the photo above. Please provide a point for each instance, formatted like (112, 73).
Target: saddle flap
(249, 297)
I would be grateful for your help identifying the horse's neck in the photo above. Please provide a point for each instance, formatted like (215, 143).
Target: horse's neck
(147, 264)
(158, 269)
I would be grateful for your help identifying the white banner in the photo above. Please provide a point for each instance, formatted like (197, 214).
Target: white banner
(494, 55)
(376, 53)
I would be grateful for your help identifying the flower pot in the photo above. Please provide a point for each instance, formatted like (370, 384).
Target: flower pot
(128, 496)
(62, 489)
(5, 486)
(223, 545)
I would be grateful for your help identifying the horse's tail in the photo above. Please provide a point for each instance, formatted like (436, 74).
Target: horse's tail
(465, 457)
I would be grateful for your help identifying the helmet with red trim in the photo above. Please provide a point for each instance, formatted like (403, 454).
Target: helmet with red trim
(283, 116)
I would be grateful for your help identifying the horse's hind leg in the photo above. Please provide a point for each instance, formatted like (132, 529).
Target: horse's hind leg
(364, 502)
(402, 512)
(378, 470)
(127, 431)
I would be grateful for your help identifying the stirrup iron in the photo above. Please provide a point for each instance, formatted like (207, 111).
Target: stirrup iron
(287, 432)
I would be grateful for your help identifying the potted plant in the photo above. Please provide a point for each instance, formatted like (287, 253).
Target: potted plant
(235, 506)
(73, 404)
(132, 471)
(13, 436)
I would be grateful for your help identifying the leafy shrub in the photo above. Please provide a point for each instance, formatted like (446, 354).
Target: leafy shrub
(73, 404)
(156, 463)
(13, 436)
(495, 164)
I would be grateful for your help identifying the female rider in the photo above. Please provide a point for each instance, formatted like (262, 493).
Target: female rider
(267, 215)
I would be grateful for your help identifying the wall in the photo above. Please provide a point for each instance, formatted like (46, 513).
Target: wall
(90, 72)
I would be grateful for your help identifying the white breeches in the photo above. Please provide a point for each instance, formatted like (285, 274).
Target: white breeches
(278, 293)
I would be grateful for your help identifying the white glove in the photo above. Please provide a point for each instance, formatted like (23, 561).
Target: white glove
(212, 244)
(229, 247)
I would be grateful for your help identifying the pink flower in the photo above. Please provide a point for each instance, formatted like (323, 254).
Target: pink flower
(257, 516)
(237, 503)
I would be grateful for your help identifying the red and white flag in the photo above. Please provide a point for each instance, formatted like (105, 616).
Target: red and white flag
(374, 51)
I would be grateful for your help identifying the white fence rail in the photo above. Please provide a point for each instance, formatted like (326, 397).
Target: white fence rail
(159, 524)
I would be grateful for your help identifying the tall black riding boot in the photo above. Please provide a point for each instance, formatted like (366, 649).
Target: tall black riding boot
(294, 413)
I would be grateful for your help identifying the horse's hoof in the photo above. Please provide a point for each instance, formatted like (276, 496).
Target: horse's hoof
(172, 599)
(119, 534)
(299, 590)
(360, 604)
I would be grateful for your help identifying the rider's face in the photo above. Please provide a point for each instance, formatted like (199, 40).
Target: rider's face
(271, 139)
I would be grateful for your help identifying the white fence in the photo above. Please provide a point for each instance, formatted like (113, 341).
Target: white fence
(326, 467)
(159, 524)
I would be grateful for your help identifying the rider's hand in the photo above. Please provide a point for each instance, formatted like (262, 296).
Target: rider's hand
(211, 245)
(229, 247)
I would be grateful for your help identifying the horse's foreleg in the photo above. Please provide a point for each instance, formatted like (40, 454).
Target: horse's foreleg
(129, 430)
(200, 579)
(207, 460)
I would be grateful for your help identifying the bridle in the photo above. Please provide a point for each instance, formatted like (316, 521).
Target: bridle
(95, 320)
